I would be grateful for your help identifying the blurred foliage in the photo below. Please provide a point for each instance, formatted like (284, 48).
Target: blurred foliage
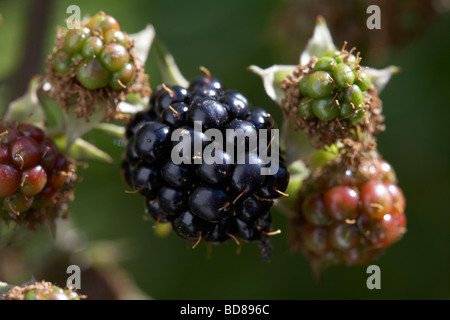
(227, 37)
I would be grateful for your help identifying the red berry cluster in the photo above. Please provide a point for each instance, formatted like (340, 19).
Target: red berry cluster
(35, 178)
(349, 214)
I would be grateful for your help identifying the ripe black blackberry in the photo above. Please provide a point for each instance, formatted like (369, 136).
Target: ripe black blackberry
(210, 200)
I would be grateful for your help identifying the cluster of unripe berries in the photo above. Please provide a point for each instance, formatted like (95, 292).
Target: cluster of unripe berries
(41, 291)
(33, 174)
(334, 89)
(211, 201)
(349, 215)
(99, 51)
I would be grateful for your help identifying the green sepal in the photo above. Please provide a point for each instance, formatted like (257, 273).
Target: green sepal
(27, 108)
(82, 150)
(111, 129)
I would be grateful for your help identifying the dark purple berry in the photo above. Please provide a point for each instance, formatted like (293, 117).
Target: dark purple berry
(251, 208)
(275, 184)
(172, 200)
(155, 211)
(236, 104)
(153, 141)
(210, 113)
(177, 176)
(247, 176)
(261, 119)
(219, 170)
(175, 114)
(190, 227)
(210, 204)
(146, 180)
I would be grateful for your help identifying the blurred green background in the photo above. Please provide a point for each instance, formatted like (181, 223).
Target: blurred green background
(227, 37)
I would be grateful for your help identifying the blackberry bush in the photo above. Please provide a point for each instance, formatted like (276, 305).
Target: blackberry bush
(36, 179)
(217, 200)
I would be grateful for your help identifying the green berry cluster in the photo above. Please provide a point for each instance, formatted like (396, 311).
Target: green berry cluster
(42, 290)
(334, 89)
(99, 51)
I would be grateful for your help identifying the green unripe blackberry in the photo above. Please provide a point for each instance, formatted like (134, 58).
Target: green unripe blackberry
(319, 85)
(103, 23)
(95, 64)
(335, 54)
(305, 110)
(99, 51)
(116, 36)
(343, 75)
(354, 95)
(74, 39)
(324, 64)
(92, 47)
(333, 87)
(302, 85)
(43, 290)
(362, 81)
(357, 116)
(62, 62)
(324, 109)
(92, 75)
(123, 77)
(345, 110)
(114, 56)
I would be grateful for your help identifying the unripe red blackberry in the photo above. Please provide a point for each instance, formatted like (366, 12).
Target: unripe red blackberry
(97, 63)
(348, 214)
(36, 180)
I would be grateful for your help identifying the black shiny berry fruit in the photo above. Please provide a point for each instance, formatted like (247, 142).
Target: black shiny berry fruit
(195, 156)
(152, 141)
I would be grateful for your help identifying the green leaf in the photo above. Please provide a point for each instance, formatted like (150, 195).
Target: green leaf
(320, 43)
(170, 73)
(272, 78)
